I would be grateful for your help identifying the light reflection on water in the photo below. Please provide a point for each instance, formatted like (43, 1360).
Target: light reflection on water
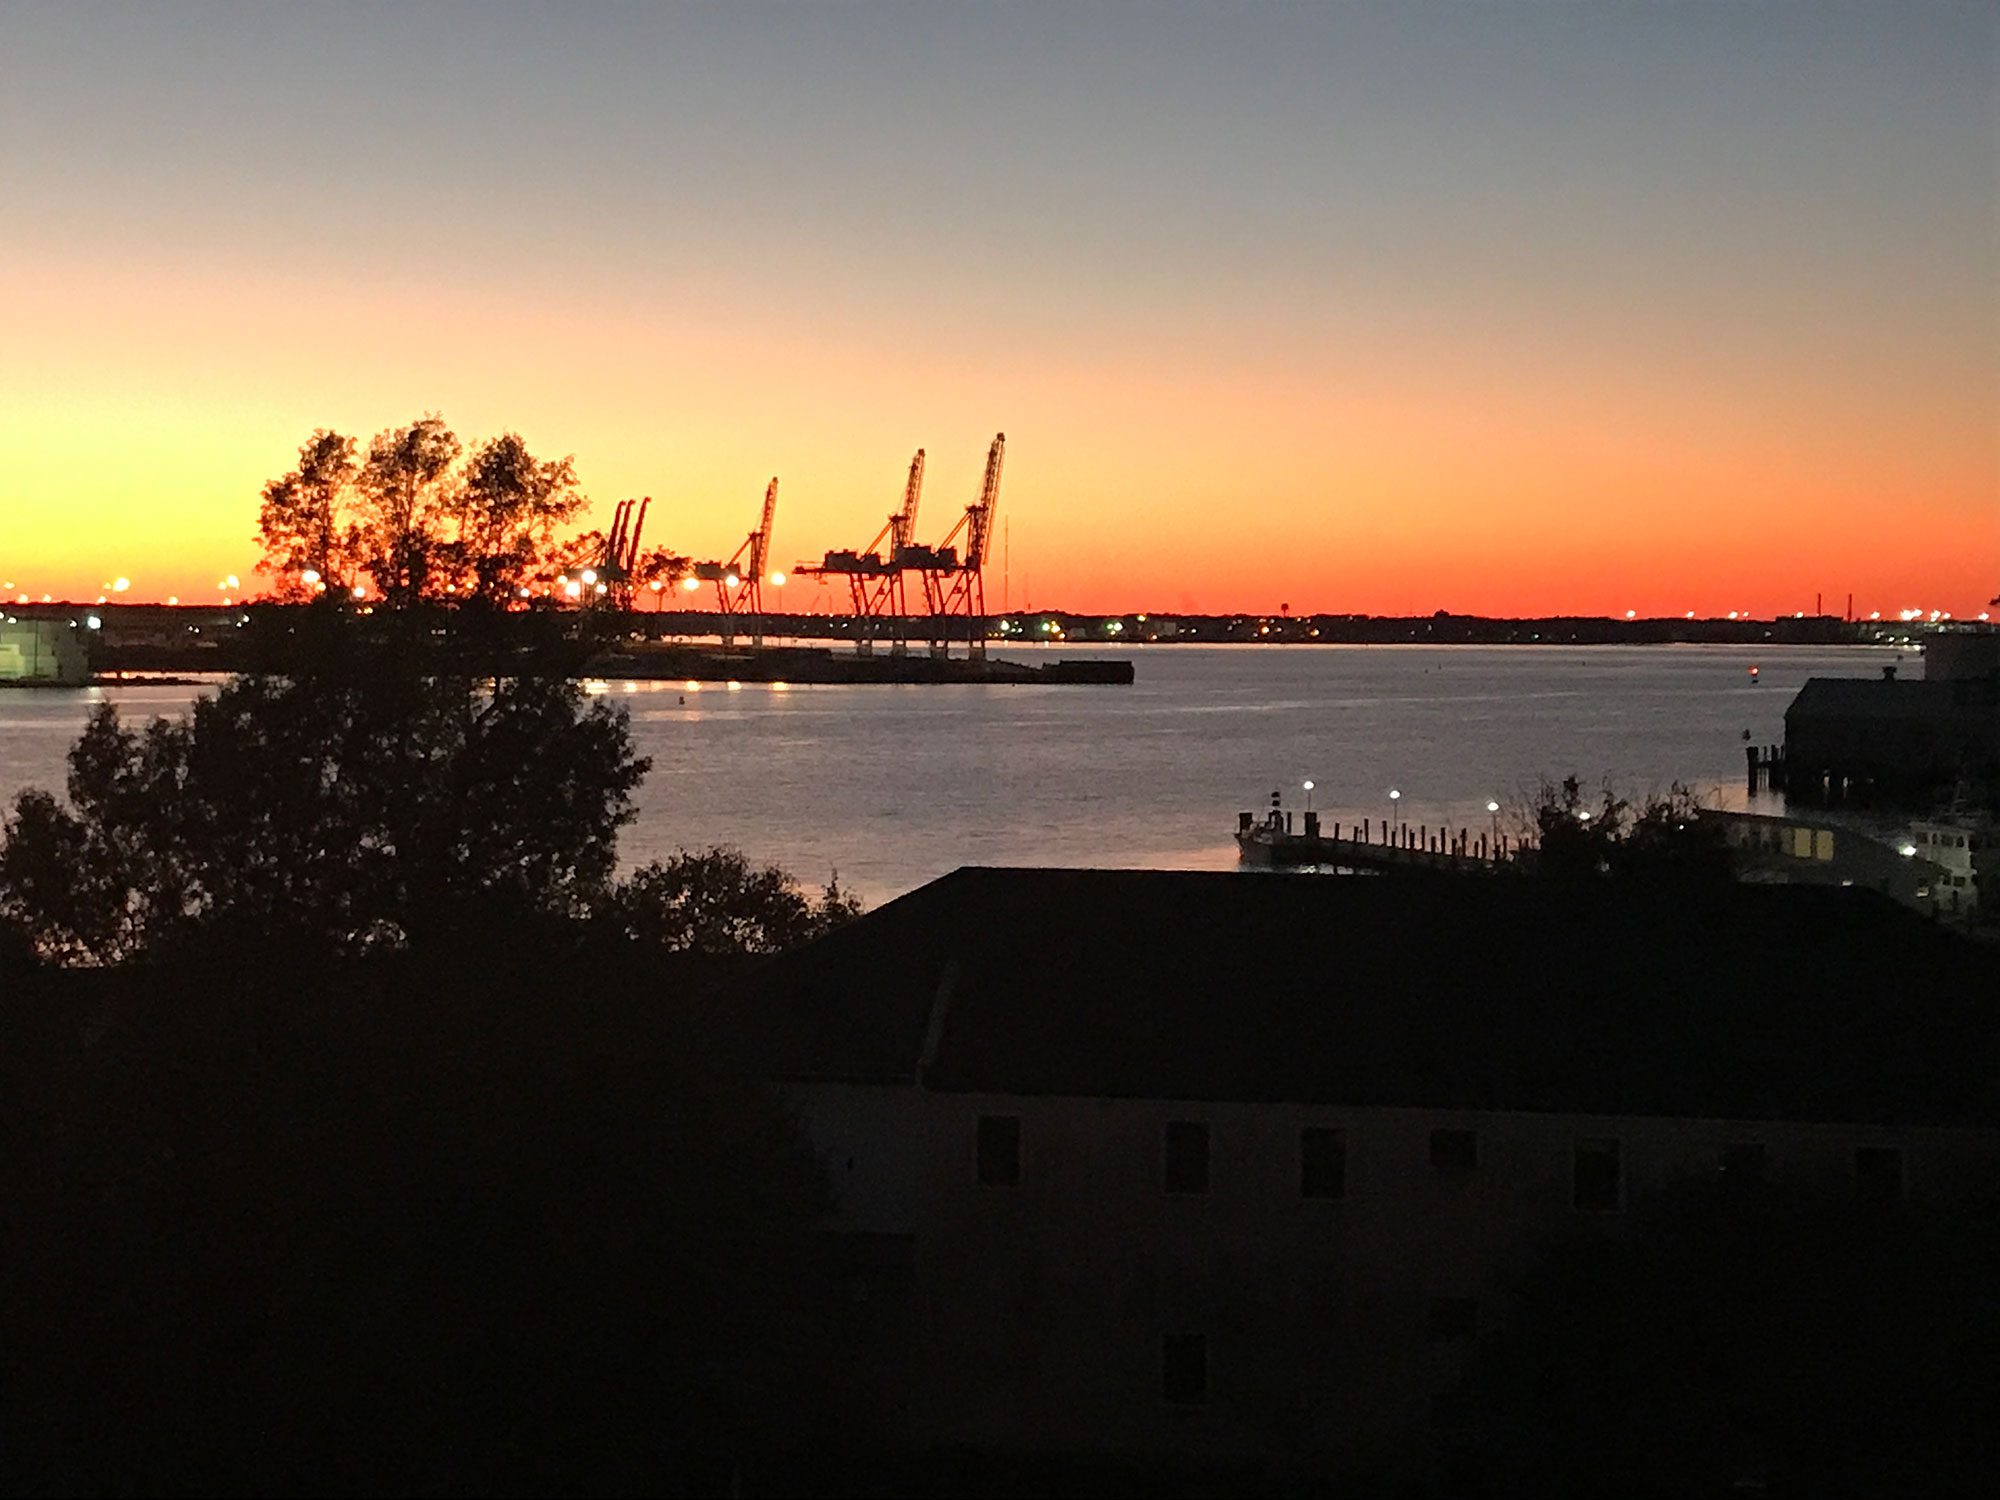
(894, 785)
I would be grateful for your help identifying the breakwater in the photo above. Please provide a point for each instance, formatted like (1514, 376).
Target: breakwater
(663, 661)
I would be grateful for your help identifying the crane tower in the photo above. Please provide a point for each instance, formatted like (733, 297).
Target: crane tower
(739, 583)
(875, 576)
(954, 587)
(621, 551)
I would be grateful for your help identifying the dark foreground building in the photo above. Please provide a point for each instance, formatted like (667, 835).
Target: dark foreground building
(1896, 741)
(1151, 1164)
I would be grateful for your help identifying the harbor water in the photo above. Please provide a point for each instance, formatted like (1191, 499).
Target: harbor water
(894, 785)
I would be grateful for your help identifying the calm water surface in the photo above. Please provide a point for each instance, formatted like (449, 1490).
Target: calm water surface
(892, 786)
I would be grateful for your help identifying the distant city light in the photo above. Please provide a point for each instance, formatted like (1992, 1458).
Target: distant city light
(1309, 786)
(778, 579)
(590, 575)
(1493, 807)
(311, 575)
(573, 590)
(360, 591)
(119, 585)
(173, 598)
(732, 580)
(232, 581)
(93, 622)
(1631, 614)
(690, 584)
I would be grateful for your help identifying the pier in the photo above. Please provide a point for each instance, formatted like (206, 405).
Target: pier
(1365, 846)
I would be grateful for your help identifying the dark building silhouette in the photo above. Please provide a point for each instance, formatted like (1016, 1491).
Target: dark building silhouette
(1895, 740)
(1146, 1163)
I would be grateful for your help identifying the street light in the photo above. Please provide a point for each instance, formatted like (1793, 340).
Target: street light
(1395, 805)
(1309, 796)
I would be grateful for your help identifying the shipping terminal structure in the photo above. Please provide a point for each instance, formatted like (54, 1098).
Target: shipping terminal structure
(954, 585)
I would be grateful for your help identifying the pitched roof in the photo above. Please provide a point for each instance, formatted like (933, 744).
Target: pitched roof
(1758, 1003)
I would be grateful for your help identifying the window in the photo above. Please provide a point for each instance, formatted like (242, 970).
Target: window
(1878, 1174)
(1184, 1368)
(1186, 1166)
(1597, 1178)
(1744, 1161)
(1454, 1318)
(1454, 1153)
(1000, 1150)
(1322, 1162)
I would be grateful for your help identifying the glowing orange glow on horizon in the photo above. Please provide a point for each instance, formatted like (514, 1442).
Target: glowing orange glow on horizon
(1382, 478)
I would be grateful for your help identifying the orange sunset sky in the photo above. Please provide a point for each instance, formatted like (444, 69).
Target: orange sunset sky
(1505, 309)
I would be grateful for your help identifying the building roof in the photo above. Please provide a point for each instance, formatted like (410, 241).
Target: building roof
(1893, 698)
(1440, 992)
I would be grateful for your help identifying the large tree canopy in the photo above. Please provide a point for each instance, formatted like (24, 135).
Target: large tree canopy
(341, 810)
(716, 901)
(422, 518)
(507, 508)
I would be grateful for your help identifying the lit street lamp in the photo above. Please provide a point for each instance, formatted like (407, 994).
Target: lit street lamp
(1309, 796)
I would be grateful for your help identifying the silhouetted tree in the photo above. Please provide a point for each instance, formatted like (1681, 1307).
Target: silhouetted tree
(1663, 838)
(507, 507)
(338, 810)
(660, 568)
(311, 542)
(473, 1218)
(406, 491)
(715, 901)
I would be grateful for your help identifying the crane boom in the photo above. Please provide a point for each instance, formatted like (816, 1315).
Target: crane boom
(980, 535)
(903, 525)
(760, 540)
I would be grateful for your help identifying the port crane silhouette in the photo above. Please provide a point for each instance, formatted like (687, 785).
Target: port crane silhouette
(739, 583)
(619, 561)
(954, 587)
(875, 575)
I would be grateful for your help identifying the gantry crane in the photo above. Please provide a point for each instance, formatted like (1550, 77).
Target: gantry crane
(955, 587)
(875, 576)
(739, 583)
(620, 557)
